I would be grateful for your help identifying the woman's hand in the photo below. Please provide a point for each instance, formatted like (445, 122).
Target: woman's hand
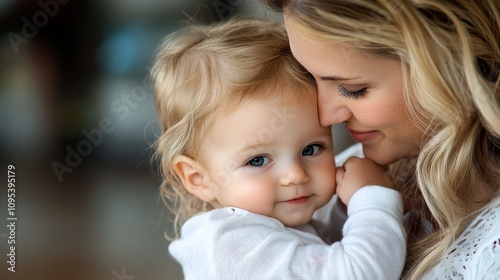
(357, 173)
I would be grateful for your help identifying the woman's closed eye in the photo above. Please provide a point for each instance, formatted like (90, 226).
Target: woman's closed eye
(258, 161)
(350, 93)
(313, 149)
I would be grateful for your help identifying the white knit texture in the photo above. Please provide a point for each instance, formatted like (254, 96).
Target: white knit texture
(476, 253)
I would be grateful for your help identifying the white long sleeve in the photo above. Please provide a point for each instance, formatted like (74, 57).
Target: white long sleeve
(231, 243)
(330, 219)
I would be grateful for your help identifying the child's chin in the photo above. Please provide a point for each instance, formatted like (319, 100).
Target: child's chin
(297, 222)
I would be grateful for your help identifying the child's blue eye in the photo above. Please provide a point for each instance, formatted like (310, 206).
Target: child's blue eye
(352, 94)
(258, 161)
(312, 150)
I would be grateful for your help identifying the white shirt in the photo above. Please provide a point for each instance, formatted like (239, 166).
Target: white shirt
(330, 218)
(231, 243)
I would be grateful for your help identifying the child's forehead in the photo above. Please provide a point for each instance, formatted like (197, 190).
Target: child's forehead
(260, 115)
(274, 95)
(263, 117)
(268, 103)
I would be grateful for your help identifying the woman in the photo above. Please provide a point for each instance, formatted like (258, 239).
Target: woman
(417, 83)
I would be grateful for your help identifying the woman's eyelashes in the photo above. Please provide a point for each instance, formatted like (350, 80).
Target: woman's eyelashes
(352, 94)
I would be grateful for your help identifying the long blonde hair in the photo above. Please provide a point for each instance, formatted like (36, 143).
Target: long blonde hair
(201, 71)
(450, 50)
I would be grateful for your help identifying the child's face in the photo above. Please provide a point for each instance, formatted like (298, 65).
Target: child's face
(274, 160)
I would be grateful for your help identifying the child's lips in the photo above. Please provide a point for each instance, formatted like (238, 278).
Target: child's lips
(298, 200)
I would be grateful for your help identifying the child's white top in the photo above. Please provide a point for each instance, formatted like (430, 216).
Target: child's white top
(231, 243)
(330, 218)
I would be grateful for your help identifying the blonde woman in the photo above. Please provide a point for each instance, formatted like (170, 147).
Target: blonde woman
(247, 164)
(416, 82)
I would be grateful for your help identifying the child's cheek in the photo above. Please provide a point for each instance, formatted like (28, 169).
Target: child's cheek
(257, 194)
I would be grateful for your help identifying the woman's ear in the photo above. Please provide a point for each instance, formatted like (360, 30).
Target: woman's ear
(192, 176)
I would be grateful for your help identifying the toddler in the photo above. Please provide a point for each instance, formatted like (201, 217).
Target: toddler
(246, 164)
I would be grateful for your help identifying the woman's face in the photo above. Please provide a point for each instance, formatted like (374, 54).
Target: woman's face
(363, 91)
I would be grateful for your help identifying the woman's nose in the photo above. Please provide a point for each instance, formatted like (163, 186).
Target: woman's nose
(332, 108)
(295, 174)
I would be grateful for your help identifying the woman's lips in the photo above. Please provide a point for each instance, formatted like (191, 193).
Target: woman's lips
(299, 200)
(363, 136)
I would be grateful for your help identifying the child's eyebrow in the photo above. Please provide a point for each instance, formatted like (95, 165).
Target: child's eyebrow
(248, 147)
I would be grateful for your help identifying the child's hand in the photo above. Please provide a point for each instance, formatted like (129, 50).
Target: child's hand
(357, 173)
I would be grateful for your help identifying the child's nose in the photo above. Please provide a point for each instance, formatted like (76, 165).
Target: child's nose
(295, 174)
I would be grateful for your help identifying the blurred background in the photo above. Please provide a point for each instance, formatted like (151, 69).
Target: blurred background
(77, 119)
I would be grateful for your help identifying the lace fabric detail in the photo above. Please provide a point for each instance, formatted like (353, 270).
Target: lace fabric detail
(476, 253)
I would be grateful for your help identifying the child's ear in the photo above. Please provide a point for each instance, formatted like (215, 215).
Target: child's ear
(192, 176)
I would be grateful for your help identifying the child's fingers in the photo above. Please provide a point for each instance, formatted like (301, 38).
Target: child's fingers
(351, 161)
(339, 176)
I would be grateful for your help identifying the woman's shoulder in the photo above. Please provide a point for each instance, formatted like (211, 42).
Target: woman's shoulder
(485, 227)
(476, 252)
(484, 243)
(484, 231)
